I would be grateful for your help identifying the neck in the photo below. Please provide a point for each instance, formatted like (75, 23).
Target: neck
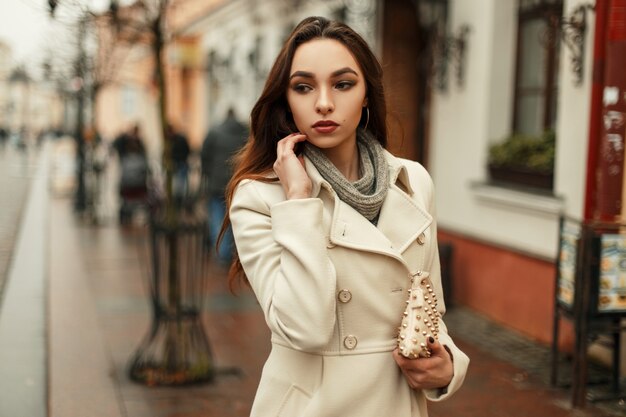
(346, 159)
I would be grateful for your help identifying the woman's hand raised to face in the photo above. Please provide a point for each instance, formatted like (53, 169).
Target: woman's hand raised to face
(290, 168)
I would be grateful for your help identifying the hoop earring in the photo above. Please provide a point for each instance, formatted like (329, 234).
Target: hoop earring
(367, 117)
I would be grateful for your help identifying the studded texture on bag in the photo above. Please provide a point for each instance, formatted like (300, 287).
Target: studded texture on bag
(420, 319)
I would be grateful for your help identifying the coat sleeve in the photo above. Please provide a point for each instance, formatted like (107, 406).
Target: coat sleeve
(459, 359)
(282, 249)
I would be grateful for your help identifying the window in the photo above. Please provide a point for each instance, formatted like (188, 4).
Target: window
(536, 84)
(526, 158)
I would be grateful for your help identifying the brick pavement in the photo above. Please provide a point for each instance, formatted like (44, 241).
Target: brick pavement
(508, 375)
(98, 290)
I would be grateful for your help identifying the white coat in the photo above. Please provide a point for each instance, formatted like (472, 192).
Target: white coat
(333, 288)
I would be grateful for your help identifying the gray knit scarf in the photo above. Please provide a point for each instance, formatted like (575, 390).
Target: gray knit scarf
(365, 195)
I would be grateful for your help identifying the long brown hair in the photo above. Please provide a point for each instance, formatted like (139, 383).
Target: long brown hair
(271, 119)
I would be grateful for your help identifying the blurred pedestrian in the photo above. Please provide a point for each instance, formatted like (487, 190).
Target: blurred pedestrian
(4, 136)
(41, 137)
(133, 187)
(22, 139)
(331, 232)
(219, 146)
(180, 163)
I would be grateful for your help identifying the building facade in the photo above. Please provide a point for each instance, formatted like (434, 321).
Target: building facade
(28, 106)
(460, 77)
(506, 237)
(237, 41)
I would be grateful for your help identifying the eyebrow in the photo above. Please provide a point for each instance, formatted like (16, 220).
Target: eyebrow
(341, 71)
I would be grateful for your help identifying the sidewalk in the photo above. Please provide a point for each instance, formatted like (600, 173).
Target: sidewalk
(98, 312)
(17, 169)
(23, 296)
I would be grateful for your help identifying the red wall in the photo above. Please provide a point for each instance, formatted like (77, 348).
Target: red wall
(509, 288)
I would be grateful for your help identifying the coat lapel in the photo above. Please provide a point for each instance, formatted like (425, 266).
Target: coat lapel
(350, 229)
(398, 205)
(400, 223)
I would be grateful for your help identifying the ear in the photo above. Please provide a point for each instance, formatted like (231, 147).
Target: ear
(365, 102)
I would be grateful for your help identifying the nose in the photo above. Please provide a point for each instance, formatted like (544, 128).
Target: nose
(324, 104)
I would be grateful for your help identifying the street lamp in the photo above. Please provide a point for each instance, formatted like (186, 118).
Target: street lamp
(573, 29)
(52, 5)
(20, 80)
(446, 47)
(432, 13)
(78, 87)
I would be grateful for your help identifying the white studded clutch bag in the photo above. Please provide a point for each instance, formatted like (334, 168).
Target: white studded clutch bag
(420, 319)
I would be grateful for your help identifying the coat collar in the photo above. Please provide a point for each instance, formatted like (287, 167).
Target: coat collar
(401, 219)
(398, 175)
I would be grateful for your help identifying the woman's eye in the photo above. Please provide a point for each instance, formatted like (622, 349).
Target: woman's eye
(301, 88)
(344, 85)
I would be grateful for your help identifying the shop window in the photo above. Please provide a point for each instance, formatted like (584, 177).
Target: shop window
(526, 158)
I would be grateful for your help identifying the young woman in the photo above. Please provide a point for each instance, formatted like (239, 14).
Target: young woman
(329, 228)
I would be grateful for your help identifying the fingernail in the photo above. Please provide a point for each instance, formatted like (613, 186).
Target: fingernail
(431, 339)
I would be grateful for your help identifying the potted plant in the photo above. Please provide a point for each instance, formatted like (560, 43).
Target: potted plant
(524, 160)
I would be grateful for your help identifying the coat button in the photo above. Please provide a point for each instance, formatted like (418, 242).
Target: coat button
(329, 244)
(344, 296)
(421, 239)
(350, 342)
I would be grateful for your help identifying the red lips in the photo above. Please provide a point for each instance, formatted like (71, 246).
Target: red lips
(325, 123)
(325, 126)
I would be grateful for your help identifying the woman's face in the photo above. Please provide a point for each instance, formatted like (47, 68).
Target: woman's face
(326, 93)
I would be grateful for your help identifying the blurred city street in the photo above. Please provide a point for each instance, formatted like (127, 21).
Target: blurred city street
(97, 312)
(120, 121)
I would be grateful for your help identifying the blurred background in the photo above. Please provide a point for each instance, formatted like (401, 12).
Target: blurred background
(113, 301)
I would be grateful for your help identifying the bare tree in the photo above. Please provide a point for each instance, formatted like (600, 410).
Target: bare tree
(144, 22)
(95, 58)
(175, 282)
(109, 55)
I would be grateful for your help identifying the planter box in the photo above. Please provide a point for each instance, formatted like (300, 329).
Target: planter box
(521, 177)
